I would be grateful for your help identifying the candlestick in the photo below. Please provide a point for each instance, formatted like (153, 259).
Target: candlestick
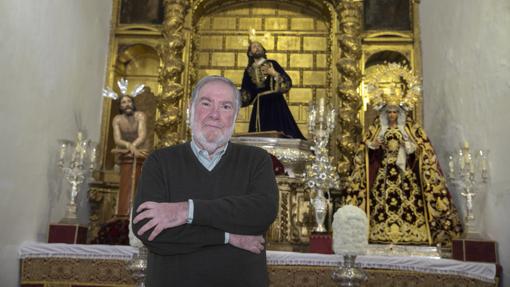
(471, 171)
(74, 171)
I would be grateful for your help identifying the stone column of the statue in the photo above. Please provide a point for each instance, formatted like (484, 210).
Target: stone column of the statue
(130, 168)
(170, 50)
(349, 13)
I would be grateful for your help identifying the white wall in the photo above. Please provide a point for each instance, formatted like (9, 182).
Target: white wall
(466, 72)
(52, 58)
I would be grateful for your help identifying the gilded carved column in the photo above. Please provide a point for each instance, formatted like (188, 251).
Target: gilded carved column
(348, 66)
(170, 51)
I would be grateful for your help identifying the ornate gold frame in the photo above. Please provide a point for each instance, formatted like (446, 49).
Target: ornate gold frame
(176, 40)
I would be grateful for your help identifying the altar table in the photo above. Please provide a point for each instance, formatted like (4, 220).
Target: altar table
(67, 265)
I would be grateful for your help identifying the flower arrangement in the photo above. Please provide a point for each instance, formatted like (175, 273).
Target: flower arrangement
(113, 233)
(350, 231)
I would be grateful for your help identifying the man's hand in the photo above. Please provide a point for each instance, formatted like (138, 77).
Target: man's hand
(376, 143)
(267, 69)
(252, 243)
(161, 216)
(134, 151)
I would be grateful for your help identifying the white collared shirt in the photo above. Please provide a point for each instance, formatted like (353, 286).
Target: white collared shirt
(208, 161)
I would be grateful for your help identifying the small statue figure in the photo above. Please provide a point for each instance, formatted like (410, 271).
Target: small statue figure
(129, 126)
(129, 134)
(264, 83)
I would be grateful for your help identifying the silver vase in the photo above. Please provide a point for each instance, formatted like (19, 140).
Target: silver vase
(348, 274)
(320, 206)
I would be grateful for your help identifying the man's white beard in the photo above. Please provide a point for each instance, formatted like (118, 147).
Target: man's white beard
(210, 146)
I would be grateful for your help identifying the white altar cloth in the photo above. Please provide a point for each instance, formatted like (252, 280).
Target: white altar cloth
(81, 251)
(476, 270)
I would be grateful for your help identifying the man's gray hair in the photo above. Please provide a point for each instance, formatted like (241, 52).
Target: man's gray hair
(208, 79)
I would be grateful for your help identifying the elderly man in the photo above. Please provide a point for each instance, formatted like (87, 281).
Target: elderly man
(202, 207)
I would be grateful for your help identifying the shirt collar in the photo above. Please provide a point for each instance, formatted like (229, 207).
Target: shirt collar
(202, 152)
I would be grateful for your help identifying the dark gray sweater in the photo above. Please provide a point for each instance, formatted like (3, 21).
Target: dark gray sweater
(238, 196)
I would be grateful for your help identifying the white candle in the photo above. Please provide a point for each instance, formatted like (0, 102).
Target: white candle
(469, 162)
(461, 160)
(321, 109)
(331, 119)
(483, 160)
(311, 117)
(311, 114)
(92, 158)
(74, 154)
(451, 166)
(93, 155)
(62, 151)
(81, 149)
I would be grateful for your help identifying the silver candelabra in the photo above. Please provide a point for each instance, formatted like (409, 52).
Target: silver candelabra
(321, 175)
(76, 160)
(468, 170)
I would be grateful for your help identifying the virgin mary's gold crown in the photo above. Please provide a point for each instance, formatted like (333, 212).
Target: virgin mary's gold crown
(392, 84)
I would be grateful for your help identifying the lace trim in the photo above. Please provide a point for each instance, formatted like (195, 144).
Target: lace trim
(476, 270)
(79, 251)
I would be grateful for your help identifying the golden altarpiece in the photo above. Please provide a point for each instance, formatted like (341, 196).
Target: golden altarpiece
(326, 46)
